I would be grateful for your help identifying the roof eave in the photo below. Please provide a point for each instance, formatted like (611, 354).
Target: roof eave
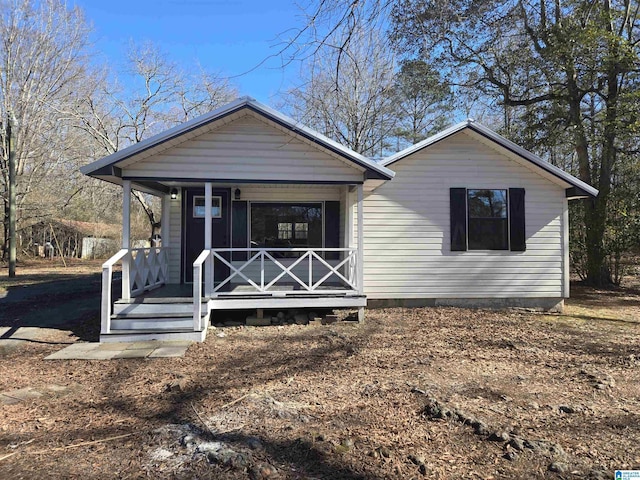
(584, 188)
(162, 137)
(100, 167)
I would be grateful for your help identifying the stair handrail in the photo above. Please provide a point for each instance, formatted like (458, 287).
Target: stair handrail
(197, 289)
(107, 278)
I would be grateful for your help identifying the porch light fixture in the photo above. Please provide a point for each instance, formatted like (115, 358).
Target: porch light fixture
(174, 193)
(236, 194)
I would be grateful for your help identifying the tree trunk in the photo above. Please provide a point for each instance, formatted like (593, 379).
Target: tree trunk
(595, 215)
(598, 272)
(595, 208)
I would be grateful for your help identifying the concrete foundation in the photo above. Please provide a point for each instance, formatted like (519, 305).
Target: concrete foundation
(543, 304)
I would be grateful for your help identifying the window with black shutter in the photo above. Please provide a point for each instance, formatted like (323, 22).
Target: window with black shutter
(487, 219)
(488, 225)
(517, 227)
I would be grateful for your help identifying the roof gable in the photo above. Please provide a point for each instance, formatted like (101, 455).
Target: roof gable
(249, 148)
(489, 137)
(205, 123)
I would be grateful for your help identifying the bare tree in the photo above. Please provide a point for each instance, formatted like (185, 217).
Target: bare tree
(43, 54)
(161, 96)
(347, 92)
(423, 102)
(550, 66)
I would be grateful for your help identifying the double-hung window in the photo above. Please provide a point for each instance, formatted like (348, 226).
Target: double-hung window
(487, 222)
(487, 219)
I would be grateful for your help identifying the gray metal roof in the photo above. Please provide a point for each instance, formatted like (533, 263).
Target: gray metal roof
(499, 139)
(245, 102)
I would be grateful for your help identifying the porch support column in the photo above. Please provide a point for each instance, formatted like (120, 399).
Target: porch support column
(360, 240)
(208, 279)
(126, 237)
(348, 226)
(360, 248)
(351, 271)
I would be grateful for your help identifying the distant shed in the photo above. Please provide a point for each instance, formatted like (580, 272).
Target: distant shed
(70, 238)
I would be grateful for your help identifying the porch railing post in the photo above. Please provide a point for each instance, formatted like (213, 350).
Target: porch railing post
(105, 310)
(107, 277)
(197, 289)
(350, 271)
(360, 261)
(197, 297)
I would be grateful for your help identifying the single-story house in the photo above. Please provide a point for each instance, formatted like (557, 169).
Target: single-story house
(261, 212)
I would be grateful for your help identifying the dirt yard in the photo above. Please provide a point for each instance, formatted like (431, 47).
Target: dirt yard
(412, 393)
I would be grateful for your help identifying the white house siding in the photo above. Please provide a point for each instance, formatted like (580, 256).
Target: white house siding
(175, 240)
(407, 229)
(247, 148)
(257, 193)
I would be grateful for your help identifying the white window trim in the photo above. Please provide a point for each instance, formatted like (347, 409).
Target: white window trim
(219, 197)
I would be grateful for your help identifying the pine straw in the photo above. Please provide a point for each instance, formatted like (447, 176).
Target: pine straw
(308, 392)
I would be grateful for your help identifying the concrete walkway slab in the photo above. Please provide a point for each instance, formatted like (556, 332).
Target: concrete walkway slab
(109, 351)
(11, 397)
(51, 390)
(97, 354)
(146, 344)
(134, 353)
(168, 351)
(11, 338)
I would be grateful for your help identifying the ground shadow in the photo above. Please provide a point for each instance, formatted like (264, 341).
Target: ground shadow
(63, 303)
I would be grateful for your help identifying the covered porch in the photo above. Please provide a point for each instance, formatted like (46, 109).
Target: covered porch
(258, 211)
(167, 294)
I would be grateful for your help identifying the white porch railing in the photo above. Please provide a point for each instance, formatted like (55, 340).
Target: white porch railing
(197, 289)
(147, 269)
(310, 272)
(142, 269)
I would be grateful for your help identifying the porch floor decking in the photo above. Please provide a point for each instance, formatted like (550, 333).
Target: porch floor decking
(182, 293)
(243, 296)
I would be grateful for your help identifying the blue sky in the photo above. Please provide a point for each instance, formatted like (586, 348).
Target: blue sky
(231, 36)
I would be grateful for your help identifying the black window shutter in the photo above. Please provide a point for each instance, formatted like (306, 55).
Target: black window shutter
(458, 213)
(516, 220)
(239, 229)
(332, 228)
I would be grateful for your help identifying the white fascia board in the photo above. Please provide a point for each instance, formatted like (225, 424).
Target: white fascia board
(230, 107)
(425, 143)
(500, 140)
(163, 136)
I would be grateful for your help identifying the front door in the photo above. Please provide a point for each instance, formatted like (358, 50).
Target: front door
(193, 215)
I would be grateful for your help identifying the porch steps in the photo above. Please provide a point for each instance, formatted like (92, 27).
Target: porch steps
(150, 309)
(154, 319)
(152, 322)
(145, 335)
